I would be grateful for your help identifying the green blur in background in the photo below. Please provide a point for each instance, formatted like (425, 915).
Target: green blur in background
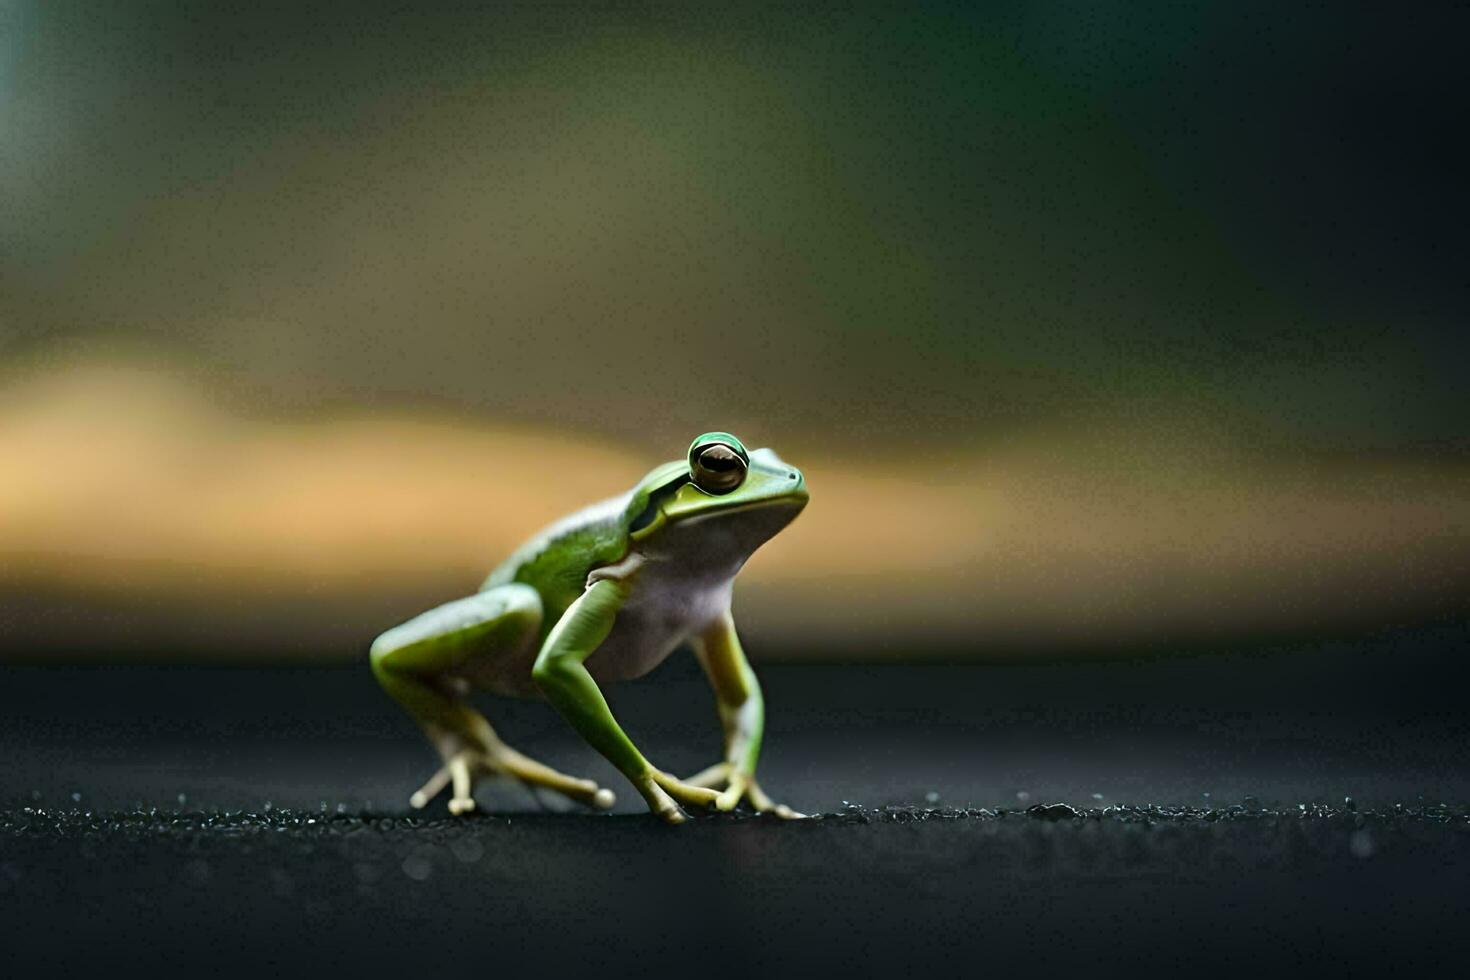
(1092, 326)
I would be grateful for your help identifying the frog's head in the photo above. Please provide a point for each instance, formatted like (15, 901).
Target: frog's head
(721, 488)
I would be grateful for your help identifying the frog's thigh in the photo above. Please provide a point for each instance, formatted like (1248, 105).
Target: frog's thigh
(417, 663)
(447, 639)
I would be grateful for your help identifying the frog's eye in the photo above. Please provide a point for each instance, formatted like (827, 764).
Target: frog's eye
(716, 468)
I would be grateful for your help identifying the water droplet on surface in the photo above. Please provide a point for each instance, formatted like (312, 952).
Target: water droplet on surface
(468, 850)
(417, 866)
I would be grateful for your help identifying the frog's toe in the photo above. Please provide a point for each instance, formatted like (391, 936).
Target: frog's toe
(502, 758)
(732, 794)
(734, 787)
(664, 806)
(683, 792)
(464, 784)
(467, 767)
(461, 770)
(430, 789)
(668, 811)
(715, 777)
(764, 804)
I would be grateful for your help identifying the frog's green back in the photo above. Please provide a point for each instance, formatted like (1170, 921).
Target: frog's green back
(556, 561)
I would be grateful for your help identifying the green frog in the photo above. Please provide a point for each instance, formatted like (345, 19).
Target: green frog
(603, 595)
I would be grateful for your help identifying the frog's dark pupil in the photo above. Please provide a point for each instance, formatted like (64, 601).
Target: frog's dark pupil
(718, 469)
(718, 459)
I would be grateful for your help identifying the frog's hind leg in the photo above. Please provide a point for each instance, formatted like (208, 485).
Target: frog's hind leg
(422, 665)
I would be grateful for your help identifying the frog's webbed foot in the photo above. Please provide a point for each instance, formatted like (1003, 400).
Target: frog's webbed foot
(735, 786)
(467, 766)
(667, 795)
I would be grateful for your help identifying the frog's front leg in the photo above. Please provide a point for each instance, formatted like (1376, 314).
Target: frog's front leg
(421, 664)
(742, 712)
(561, 674)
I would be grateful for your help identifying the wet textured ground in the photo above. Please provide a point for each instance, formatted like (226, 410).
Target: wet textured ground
(1184, 814)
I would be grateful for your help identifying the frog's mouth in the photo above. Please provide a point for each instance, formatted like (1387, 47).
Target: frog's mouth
(793, 504)
(763, 490)
(775, 490)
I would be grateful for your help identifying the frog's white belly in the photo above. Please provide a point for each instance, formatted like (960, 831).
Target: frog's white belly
(680, 584)
(668, 604)
(677, 587)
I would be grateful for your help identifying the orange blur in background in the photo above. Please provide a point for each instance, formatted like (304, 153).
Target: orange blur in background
(148, 519)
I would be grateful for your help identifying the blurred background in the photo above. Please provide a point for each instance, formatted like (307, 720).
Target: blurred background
(1096, 328)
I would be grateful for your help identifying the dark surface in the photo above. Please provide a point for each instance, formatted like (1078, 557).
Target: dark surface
(245, 819)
